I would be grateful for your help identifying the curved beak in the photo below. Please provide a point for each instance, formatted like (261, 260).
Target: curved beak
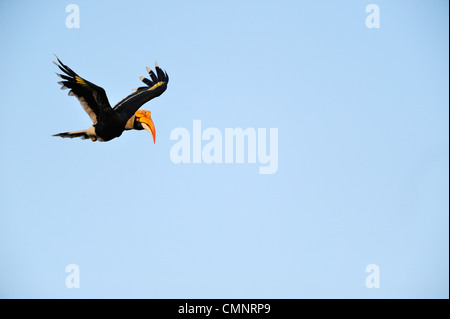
(147, 123)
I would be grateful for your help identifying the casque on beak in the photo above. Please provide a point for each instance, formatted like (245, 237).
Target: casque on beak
(144, 117)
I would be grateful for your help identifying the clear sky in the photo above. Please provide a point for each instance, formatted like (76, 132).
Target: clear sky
(363, 151)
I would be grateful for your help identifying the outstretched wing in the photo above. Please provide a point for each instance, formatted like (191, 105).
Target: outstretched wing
(155, 87)
(92, 97)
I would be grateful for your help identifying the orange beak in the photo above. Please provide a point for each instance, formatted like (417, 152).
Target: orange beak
(147, 123)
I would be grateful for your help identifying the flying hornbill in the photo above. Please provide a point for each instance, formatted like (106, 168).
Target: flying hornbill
(110, 122)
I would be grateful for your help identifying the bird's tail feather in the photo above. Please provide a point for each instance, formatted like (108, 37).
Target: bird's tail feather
(81, 134)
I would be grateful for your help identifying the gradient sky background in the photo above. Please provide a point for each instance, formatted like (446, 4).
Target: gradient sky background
(363, 175)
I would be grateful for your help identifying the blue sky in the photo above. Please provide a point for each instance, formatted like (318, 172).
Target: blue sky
(362, 118)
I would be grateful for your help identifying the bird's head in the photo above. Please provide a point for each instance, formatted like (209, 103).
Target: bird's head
(143, 121)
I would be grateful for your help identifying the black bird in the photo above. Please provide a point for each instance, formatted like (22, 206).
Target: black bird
(110, 122)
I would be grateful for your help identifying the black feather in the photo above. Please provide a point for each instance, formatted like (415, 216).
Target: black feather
(65, 77)
(65, 68)
(83, 135)
(148, 82)
(160, 73)
(153, 76)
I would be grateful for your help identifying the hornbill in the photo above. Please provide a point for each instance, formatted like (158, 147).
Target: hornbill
(110, 122)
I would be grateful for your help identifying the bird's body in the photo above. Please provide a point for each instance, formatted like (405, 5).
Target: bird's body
(108, 122)
(108, 129)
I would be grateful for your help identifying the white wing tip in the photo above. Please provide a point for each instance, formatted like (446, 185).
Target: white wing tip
(63, 87)
(156, 65)
(141, 78)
